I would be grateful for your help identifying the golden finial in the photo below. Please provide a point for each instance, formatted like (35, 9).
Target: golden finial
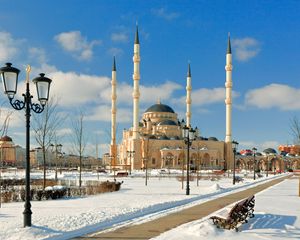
(28, 69)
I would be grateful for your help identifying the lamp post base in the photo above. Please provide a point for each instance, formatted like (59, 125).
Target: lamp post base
(187, 190)
(27, 216)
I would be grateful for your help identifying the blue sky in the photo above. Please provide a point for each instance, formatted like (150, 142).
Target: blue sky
(74, 42)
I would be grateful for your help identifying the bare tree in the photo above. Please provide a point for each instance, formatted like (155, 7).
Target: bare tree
(79, 141)
(3, 131)
(45, 127)
(5, 116)
(295, 129)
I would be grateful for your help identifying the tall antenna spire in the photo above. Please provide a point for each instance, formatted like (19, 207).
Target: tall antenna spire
(136, 39)
(189, 70)
(114, 64)
(113, 146)
(188, 96)
(136, 79)
(228, 86)
(229, 45)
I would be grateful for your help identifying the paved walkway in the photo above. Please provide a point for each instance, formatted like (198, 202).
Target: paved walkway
(155, 227)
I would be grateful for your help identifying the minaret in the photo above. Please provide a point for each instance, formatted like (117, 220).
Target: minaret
(228, 85)
(113, 146)
(136, 79)
(188, 96)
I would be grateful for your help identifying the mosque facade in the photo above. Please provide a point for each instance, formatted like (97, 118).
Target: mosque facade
(155, 141)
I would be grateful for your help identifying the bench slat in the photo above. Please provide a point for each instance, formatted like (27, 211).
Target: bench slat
(230, 218)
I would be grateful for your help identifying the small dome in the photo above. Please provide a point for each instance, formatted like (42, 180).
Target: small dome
(6, 139)
(167, 122)
(163, 137)
(270, 150)
(175, 138)
(212, 139)
(160, 108)
(152, 137)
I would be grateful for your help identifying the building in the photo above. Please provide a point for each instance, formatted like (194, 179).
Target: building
(290, 149)
(7, 151)
(155, 140)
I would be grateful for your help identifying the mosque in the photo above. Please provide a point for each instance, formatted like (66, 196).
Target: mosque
(155, 141)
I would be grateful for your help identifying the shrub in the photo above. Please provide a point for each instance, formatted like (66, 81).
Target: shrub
(17, 193)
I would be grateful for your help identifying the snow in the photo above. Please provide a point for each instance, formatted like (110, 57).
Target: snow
(136, 203)
(277, 212)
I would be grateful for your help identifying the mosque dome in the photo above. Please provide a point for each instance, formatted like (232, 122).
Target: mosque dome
(160, 108)
(175, 138)
(167, 122)
(6, 139)
(212, 139)
(163, 137)
(270, 151)
(152, 137)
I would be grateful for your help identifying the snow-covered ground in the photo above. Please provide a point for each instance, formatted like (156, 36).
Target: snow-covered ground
(135, 202)
(277, 216)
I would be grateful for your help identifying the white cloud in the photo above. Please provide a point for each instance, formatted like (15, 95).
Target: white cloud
(148, 94)
(8, 46)
(103, 113)
(269, 144)
(76, 44)
(15, 118)
(163, 13)
(115, 51)
(245, 48)
(77, 89)
(37, 54)
(260, 146)
(119, 37)
(274, 95)
(124, 93)
(205, 96)
(64, 131)
(163, 92)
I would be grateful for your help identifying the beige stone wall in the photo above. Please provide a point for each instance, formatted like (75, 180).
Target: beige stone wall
(170, 153)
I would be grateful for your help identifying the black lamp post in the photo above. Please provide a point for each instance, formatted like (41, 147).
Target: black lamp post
(9, 77)
(267, 164)
(188, 135)
(169, 160)
(234, 148)
(254, 163)
(130, 154)
(56, 148)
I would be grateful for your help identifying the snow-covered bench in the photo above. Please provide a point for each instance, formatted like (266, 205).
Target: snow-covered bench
(230, 218)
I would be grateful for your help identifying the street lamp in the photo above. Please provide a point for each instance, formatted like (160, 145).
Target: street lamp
(188, 135)
(9, 77)
(111, 157)
(234, 148)
(57, 150)
(254, 163)
(267, 164)
(130, 155)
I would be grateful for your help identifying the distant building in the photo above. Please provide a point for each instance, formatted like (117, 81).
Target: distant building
(7, 151)
(290, 149)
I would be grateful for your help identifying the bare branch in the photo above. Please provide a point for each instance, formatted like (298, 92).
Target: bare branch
(79, 141)
(295, 129)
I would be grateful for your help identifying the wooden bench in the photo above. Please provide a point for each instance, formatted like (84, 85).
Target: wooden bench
(232, 218)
